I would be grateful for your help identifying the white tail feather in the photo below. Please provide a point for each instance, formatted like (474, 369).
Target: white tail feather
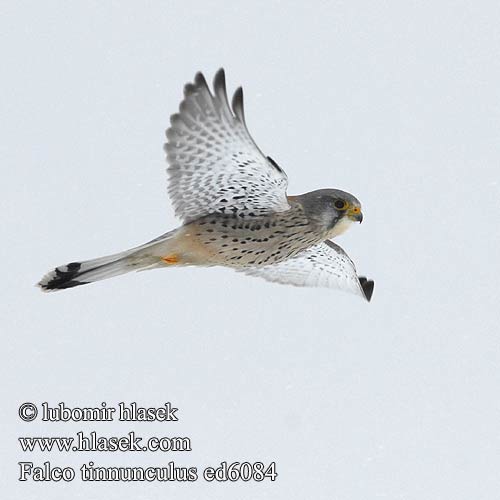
(81, 273)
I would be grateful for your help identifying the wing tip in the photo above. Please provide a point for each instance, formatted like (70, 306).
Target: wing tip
(220, 90)
(367, 286)
(220, 79)
(200, 81)
(237, 104)
(189, 89)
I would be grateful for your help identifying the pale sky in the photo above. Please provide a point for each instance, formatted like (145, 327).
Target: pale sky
(395, 102)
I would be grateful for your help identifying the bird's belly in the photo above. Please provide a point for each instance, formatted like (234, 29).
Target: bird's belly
(249, 243)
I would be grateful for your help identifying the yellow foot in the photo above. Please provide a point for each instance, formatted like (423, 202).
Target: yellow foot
(170, 259)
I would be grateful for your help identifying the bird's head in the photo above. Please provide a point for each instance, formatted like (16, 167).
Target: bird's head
(334, 210)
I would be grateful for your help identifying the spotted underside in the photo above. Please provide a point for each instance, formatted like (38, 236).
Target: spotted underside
(235, 241)
(323, 265)
(214, 164)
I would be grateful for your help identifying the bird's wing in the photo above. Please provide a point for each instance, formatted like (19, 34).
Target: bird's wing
(214, 164)
(323, 265)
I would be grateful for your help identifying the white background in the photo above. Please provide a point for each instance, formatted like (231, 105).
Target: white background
(396, 102)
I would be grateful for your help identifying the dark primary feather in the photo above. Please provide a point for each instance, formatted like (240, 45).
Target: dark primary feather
(367, 287)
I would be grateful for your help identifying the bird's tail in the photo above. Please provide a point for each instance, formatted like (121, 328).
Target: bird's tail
(81, 273)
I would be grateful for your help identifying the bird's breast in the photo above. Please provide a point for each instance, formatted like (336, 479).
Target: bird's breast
(341, 227)
(237, 242)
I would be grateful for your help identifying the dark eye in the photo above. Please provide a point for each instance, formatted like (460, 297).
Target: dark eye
(340, 204)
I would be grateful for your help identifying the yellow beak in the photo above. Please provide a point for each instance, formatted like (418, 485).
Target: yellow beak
(355, 214)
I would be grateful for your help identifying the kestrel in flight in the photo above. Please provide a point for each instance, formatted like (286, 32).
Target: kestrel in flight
(235, 210)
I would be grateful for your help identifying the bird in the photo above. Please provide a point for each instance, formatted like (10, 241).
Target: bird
(235, 211)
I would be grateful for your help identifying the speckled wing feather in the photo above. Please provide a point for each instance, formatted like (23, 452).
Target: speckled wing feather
(214, 164)
(323, 265)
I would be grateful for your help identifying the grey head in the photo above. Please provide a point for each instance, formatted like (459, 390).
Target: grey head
(332, 210)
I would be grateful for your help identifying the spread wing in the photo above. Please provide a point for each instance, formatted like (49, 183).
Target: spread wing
(323, 265)
(214, 164)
